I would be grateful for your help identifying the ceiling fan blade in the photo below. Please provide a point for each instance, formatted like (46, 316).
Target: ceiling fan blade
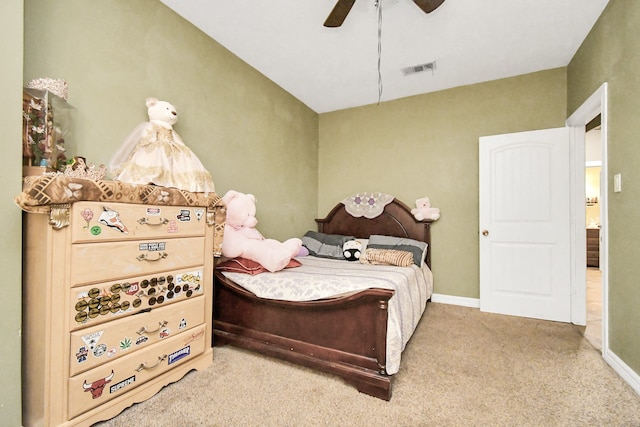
(339, 13)
(428, 6)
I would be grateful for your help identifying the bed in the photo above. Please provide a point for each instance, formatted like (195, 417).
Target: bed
(346, 335)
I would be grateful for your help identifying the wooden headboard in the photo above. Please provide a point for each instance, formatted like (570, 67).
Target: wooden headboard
(396, 220)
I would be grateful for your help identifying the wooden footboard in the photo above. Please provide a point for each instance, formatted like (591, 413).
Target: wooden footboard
(345, 336)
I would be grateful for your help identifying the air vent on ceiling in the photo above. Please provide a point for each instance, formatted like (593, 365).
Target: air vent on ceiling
(419, 68)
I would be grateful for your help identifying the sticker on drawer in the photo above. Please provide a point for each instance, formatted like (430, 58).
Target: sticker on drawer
(111, 218)
(177, 355)
(107, 217)
(122, 384)
(98, 221)
(96, 387)
(95, 345)
(101, 303)
(101, 384)
(152, 246)
(184, 215)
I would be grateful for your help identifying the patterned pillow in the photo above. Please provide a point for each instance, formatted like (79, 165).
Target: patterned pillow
(387, 257)
(417, 248)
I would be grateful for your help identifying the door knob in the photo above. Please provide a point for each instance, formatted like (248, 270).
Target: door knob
(485, 232)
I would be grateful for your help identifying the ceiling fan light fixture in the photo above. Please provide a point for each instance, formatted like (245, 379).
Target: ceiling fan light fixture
(420, 68)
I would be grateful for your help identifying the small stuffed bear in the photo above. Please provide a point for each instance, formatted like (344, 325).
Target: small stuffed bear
(423, 210)
(155, 154)
(352, 249)
(241, 239)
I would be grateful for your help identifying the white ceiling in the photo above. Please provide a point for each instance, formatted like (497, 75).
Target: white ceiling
(330, 69)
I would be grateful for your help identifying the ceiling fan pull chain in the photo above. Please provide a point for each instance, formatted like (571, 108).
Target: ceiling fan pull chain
(379, 6)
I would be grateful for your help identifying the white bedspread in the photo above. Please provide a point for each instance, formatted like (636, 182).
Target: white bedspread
(320, 278)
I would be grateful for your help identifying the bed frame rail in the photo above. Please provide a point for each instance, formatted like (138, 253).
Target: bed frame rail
(344, 336)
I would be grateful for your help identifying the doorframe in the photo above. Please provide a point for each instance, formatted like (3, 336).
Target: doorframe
(595, 105)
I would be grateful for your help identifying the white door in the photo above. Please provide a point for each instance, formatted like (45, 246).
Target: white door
(525, 241)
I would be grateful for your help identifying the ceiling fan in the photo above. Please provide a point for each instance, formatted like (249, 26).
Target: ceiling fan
(342, 8)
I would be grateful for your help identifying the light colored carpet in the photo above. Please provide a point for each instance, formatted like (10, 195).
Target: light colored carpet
(462, 367)
(593, 331)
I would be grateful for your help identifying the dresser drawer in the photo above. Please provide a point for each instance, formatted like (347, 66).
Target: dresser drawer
(99, 385)
(94, 304)
(96, 262)
(100, 344)
(99, 222)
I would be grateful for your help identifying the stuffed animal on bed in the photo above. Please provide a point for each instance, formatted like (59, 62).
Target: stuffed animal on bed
(352, 249)
(423, 210)
(155, 154)
(242, 239)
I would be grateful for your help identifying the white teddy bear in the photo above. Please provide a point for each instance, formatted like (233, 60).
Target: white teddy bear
(155, 154)
(423, 210)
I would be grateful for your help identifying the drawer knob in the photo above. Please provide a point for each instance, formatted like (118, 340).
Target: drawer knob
(144, 329)
(145, 221)
(143, 365)
(144, 257)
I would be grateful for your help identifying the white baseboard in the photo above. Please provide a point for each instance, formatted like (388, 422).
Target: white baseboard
(625, 372)
(453, 300)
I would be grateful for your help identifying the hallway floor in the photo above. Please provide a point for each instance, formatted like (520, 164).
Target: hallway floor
(593, 331)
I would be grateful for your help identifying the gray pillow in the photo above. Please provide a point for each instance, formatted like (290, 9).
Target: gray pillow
(325, 245)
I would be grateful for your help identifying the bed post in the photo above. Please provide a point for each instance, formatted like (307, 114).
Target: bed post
(381, 336)
(427, 238)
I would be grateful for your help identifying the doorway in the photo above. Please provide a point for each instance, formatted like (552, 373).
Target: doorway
(593, 171)
(594, 106)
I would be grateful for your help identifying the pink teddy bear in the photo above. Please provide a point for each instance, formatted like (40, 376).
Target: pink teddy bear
(242, 239)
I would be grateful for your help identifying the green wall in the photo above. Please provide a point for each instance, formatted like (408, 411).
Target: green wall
(11, 28)
(611, 53)
(427, 145)
(251, 135)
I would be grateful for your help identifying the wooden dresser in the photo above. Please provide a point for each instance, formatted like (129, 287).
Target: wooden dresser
(593, 247)
(117, 304)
